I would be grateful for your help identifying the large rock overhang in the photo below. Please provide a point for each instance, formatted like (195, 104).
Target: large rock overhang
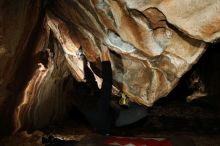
(152, 52)
(152, 43)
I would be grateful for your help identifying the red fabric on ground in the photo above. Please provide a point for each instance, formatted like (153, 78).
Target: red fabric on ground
(136, 141)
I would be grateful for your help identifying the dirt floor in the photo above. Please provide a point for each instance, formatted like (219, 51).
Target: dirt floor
(166, 119)
(151, 127)
(69, 134)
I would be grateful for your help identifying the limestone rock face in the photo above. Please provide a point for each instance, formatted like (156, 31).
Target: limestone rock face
(198, 18)
(18, 37)
(150, 55)
(152, 43)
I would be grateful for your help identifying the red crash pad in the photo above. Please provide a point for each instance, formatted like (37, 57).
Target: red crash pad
(98, 140)
(129, 141)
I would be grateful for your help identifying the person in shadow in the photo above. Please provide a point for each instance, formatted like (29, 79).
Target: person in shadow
(95, 105)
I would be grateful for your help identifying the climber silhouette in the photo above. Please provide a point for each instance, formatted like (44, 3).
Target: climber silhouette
(95, 104)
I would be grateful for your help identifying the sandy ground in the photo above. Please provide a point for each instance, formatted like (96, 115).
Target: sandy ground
(171, 120)
(70, 132)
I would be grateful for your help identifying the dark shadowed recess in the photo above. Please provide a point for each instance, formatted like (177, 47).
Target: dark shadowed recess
(173, 114)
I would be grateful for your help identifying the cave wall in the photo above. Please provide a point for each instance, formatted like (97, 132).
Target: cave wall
(45, 96)
(203, 79)
(19, 34)
(153, 44)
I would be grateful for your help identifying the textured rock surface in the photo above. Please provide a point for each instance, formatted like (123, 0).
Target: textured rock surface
(198, 18)
(45, 96)
(18, 37)
(151, 54)
(152, 43)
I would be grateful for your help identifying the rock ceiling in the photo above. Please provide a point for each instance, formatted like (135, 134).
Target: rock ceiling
(152, 53)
